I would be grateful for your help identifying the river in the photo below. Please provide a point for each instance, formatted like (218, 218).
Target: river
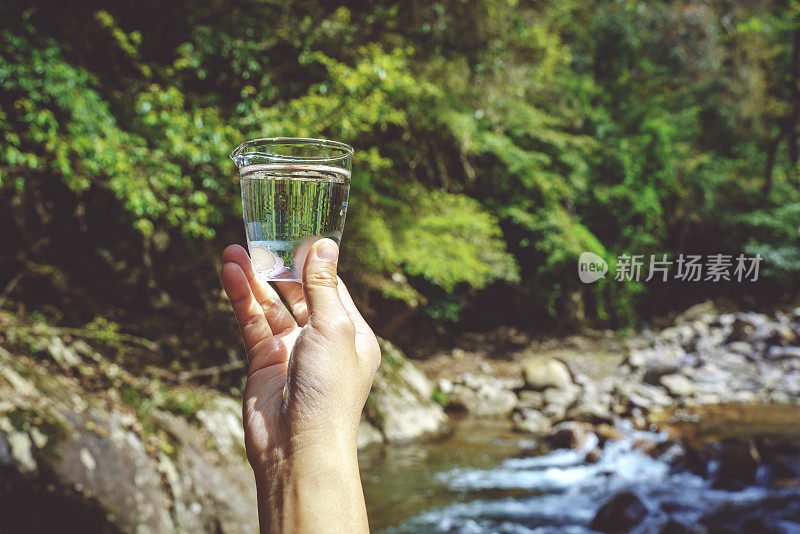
(483, 477)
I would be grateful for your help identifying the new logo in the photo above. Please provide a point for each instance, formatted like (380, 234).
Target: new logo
(591, 267)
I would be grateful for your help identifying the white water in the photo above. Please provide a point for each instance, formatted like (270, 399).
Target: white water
(560, 493)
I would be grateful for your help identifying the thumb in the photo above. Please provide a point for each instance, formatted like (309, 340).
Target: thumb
(320, 286)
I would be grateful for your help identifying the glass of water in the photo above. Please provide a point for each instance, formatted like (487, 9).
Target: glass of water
(294, 192)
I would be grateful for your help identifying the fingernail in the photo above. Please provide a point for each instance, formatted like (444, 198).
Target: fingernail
(328, 251)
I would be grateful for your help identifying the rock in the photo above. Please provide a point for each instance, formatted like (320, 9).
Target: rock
(532, 421)
(637, 358)
(211, 488)
(704, 312)
(222, 418)
(445, 386)
(669, 451)
(723, 320)
(64, 355)
(530, 399)
(400, 404)
(414, 379)
(737, 466)
(620, 514)
(681, 334)
(562, 397)
(678, 385)
(593, 456)
(743, 397)
(708, 339)
(741, 348)
(783, 335)
(177, 477)
(673, 526)
(774, 514)
(542, 372)
(571, 435)
(171, 460)
(643, 396)
(607, 432)
(780, 397)
(662, 363)
(590, 411)
(368, 434)
(489, 401)
(783, 353)
(647, 445)
(745, 325)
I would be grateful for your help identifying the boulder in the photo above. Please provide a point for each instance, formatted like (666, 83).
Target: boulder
(558, 400)
(620, 514)
(571, 435)
(530, 399)
(490, 400)
(138, 455)
(400, 404)
(737, 465)
(590, 410)
(445, 386)
(542, 372)
(673, 526)
(87, 460)
(662, 363)
(745, 325)
(678, 385)
(783, 334)
(681, 334)
(532, 421)
(704, 312)
(211, 486)
(368, 434)
(783, 353)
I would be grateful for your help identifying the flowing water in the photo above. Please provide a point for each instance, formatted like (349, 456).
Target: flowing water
(287, 207)
(487, 479)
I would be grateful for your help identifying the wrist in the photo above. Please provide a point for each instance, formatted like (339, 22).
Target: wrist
(303, 447)
(304, 483)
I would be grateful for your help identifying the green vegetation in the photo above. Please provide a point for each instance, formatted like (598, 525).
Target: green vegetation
(496, 141)
(440, 397)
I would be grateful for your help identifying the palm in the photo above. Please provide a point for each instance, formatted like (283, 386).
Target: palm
(263, 396)
(273, 336)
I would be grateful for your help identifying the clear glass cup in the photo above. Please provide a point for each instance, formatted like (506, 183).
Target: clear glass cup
(294, 191)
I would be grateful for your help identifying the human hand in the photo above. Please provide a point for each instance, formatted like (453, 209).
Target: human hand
(309, 374)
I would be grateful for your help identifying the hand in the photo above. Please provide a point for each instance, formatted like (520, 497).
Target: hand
(309, 375)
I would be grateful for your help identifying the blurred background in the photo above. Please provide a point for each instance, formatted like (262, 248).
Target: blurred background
(495, 142)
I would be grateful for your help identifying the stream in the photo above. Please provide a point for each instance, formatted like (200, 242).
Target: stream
(485, 478)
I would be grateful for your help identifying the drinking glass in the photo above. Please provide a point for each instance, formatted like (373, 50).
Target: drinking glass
(294, 191)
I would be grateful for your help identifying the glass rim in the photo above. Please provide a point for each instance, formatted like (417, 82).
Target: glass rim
(346, 150)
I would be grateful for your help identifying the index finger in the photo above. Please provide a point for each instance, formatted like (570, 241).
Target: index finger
(249, 314)
(277, 315)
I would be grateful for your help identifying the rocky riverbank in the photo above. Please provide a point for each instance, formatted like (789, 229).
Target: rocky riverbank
(86, 443)
(83, 440)
(706, 358)
(715, 399)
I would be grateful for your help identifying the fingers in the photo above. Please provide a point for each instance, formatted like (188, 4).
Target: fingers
(249, 314)
(277, 315)
(320, 285)
(293, 293)
(350, 306)
(272, 351)
(366, 343)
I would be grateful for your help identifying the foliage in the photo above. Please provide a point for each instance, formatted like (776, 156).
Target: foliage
(495, 141)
